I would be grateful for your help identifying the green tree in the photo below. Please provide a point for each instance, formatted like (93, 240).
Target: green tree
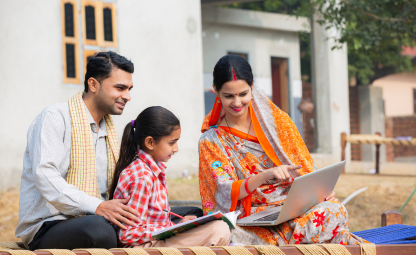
(374, 30)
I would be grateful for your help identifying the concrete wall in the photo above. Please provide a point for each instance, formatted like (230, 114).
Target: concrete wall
(162, 39)
(330, 84)
(372, 120)
(31, 75)
(398, 93)
(387, 168)
(260, 36)
(399, 100)
(255, 19)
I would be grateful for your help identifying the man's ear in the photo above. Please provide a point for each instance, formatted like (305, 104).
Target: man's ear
(93, 85)
(149, 142)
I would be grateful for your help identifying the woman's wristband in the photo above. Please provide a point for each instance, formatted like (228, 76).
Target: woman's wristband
(246, 186)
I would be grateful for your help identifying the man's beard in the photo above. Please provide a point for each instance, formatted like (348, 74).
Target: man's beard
(106, 105)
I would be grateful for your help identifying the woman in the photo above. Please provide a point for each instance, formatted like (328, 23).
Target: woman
(249, 153)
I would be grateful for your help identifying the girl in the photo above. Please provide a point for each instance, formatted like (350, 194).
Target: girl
(249, 153)
(140, 174)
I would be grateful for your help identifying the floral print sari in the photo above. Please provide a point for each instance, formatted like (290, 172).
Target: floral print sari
(227, 157)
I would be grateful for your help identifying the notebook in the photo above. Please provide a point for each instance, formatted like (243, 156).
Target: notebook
(229, 218)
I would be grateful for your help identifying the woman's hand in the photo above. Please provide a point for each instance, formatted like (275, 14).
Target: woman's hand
(187, 218)
(280, 172)
(331, 197)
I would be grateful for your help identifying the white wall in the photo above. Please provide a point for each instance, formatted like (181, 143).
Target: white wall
(330, 81)
(398, 93)
(31, 75)
(162, 39)
(258, 41)
(372, 120)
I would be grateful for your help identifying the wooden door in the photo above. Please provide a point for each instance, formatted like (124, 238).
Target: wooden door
(280, 90)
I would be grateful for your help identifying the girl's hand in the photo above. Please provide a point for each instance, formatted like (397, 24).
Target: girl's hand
(187, 218)
(331, 197)
(280, 172)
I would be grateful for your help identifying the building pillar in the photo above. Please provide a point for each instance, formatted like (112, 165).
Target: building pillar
(372, 120)
(330, 91)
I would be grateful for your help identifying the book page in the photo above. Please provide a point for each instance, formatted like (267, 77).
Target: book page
(199, 221)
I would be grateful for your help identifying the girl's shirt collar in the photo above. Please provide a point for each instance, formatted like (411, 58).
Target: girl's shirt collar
(156, 167)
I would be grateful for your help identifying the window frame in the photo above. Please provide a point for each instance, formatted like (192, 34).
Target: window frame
(87, 53)
(114, 43)
(70, 40)
(85, 47)
(99, 7)
(96, 5)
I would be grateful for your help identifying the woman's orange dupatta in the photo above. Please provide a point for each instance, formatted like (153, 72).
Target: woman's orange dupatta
(235, 193)
(290, 142)
(214, 117)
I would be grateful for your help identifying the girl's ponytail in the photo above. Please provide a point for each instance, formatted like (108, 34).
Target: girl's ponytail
(155, 122)
(128, 150)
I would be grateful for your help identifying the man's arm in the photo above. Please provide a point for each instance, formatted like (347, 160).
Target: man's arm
(47, 158)
(46, 145)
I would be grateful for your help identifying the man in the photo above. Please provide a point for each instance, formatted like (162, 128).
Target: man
(71, 152)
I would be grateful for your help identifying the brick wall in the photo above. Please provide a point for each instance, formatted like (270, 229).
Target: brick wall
(395, 126)
(308, 128)
(354, 101)
(400, 126)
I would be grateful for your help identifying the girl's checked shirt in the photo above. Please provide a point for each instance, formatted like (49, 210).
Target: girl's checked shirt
(145, 181)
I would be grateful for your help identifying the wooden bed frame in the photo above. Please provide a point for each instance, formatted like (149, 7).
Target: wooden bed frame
(387, 218)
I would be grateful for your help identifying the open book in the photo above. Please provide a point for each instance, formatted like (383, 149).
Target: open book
(230, 218)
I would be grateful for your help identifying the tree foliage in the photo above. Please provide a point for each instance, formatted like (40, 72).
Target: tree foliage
(375, 30)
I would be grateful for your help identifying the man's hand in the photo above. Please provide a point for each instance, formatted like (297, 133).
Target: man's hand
(187, 218)
(115, 211)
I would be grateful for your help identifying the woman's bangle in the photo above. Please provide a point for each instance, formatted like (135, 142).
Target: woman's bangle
(246, 186)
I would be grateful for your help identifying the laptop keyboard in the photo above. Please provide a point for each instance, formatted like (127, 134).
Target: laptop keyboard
(270, 217)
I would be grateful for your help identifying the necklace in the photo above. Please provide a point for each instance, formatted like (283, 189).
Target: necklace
(238, 144)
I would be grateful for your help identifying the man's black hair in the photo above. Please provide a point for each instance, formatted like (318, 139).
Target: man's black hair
(101, 64)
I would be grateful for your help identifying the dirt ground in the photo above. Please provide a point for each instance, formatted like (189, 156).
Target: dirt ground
(9, 215)
(384, 193)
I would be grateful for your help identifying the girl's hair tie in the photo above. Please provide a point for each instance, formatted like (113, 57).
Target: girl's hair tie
(132, 123)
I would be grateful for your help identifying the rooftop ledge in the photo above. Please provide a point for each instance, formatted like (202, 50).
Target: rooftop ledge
(255, 19)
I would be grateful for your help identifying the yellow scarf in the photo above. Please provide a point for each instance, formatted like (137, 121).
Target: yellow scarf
(82, 172)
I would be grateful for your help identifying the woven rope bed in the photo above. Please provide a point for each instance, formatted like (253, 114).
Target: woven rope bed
(392, 238)
(324, 249)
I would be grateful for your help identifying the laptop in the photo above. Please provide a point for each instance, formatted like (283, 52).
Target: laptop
(306, 192)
